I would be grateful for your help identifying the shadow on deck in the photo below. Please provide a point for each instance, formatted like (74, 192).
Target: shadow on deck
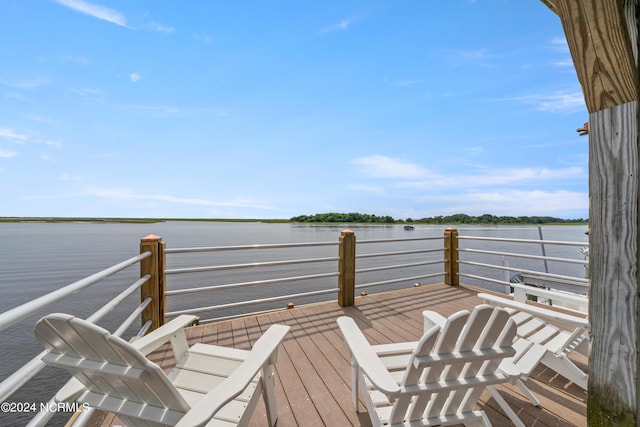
(313, 373)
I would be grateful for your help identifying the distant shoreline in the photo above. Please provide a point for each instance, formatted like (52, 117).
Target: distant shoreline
(130, 220)
(274, 221)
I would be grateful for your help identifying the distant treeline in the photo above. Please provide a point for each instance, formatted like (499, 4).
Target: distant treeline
(446, 219)
(344, 217)
(493, 219)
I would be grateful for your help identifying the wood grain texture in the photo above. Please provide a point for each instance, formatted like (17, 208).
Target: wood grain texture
(601, 47)
(613, 186)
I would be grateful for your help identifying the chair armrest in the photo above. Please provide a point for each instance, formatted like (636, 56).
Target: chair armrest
(365, 357)
(71, 391)
(263, 353)
(567, 319)
(431, 319)
(163, 334)
(521, 292)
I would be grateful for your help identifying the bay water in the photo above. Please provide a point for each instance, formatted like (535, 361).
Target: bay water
(36, 258)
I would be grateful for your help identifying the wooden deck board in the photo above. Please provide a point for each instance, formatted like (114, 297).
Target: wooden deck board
(313, 385)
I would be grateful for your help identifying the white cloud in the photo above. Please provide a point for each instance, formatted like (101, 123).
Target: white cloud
(10, 134)
(497, 177)
(565, 63)
(134, 77)
(559, 43)
(41, 119)
(125, 194)
(403, 83)
(461, 57)
(6, 154)
(28, 84)
(379, 166)
(517, 202)
(97, 11)
(154, 26)
(76, 59)
(204, 38)
(473, 150)
(70, 177)
(557, 102)
(49, 142)
(367, 188)
(340, 26)
(14, 95)
(86, 91)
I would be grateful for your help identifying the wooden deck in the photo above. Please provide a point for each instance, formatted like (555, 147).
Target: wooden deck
(313, 373)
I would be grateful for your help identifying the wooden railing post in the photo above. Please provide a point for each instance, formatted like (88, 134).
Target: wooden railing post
(154, 287)
(451, 257)
(347, 268)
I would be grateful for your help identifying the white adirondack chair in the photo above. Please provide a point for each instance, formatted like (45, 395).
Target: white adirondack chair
(210, 385)
(540, 339)
(439, 380)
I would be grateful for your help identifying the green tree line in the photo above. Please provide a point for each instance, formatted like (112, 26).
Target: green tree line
(344, 217)
(441, 219)
(493, 219)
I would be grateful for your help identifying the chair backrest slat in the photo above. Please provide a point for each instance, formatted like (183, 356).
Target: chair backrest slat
(112, 370)
(468, 341)
(442, 356)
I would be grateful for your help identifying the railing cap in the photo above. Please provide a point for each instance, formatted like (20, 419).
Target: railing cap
(151, 238)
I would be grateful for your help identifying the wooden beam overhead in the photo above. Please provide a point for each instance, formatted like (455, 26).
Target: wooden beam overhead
(550, 5)
(601, 49)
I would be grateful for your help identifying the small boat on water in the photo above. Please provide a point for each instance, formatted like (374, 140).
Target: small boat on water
(409, 227)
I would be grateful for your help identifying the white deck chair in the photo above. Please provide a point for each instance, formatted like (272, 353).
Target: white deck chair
(210, 385)
(440, 381)
(537, 329)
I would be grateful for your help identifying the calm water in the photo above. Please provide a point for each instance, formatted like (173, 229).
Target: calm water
(37, 258)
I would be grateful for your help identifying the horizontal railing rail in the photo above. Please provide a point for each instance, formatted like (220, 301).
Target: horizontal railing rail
(531, 241)
(248, 265)
(479, 259)
(246, 284)
(32, 307)
(246, 247)
(35, 365)
(537, 257)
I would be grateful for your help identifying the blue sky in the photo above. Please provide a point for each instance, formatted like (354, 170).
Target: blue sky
(254, 109)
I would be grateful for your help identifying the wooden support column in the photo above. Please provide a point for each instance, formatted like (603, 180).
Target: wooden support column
(347, 269)
(603, 39)
(451, 265)
(613, 263)
(153, 265)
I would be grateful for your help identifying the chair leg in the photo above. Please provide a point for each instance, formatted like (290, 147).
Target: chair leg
(355, 386)
(532, 397)
(505, 406)
(481, 420)
(268, 394)
(566, 368)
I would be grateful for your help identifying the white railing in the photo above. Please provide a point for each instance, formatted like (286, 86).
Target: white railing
(422, 262)
(31, 368)
(326, 267)
(257, 278)
(570, 274)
